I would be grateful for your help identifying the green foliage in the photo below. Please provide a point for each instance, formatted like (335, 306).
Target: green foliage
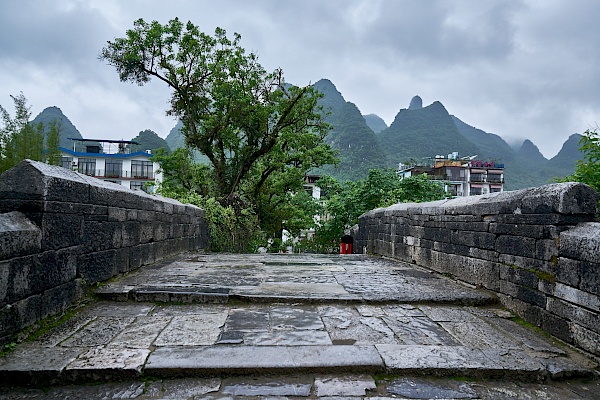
(587, 169)
(233, 111)
(18, 138)
(347, 201)
(181, 174)
(260, 135)
(230, 230)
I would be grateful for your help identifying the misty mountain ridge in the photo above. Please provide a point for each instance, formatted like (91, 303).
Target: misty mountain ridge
(365, 141)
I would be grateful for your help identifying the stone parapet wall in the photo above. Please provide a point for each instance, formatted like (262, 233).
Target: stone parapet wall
(538, 249)
(61, 231)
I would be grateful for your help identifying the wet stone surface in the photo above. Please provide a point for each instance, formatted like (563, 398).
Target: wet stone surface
(412, 388)
(336, 322)
(301, 277)
(313, 386)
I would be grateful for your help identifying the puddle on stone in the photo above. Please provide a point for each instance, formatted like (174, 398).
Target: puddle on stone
(343, 342)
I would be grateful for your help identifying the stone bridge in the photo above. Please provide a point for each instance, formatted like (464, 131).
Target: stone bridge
(442, 302)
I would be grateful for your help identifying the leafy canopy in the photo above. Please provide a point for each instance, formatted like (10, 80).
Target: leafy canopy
(232, 109)
(349, 200)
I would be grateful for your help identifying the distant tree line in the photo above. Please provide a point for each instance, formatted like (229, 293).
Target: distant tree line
(19, 139)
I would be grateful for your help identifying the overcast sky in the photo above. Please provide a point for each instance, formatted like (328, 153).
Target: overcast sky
(518, 68)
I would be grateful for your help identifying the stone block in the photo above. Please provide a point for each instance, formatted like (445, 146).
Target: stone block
(33, 180)
(99, 236)
(523, 293)
(4, 281)
(518, 276)
(61, 230)
(147, 252)
(53, 269)
(112, 194)
(96, 267)
(9, 322)
(557, 326)
(146, 232)
(59, 298)
(563, 198)
(586, 338)
(135, 257)
(527, 263)
(480, 240)
(122, 260)
(581, 242)
(546, 249)
(527, 311)
(518, 246)
(27, 311)
(117, 214)
(131, 233)
(483, 273)
(18, 236)
(489, 255)
(578, 297)
(577, 314)
(539, 219)
(532, 231)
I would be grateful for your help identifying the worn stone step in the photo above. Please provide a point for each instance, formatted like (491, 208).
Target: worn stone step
(326, 386)
(51, 366)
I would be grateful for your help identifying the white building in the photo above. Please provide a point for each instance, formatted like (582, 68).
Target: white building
(460, 176)
(113, 161)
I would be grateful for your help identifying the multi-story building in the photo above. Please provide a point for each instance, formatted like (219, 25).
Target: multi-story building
(113, 161)
(465, 176)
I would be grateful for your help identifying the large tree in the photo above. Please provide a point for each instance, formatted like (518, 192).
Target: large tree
(248, 122)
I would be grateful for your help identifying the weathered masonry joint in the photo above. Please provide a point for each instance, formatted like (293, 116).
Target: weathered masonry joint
(61, 231)
(538, 249)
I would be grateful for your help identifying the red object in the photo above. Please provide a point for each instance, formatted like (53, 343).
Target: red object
(345, 248)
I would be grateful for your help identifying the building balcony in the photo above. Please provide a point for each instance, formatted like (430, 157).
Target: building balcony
(495, 179)
(102, 174)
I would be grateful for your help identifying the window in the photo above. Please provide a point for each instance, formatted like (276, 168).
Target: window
(113, 168)
(141, 169)
(67, 162)
(494, 178)
(87, 166)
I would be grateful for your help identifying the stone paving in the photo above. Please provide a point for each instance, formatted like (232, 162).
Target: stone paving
(230, 326)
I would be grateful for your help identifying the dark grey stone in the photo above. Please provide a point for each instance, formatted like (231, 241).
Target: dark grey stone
(523, 293)
(518, 246)
(281, 386)
(18, 236)
(61, 230)
(248, 320)
(97, 267)
(417, 388)
(581, 242)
